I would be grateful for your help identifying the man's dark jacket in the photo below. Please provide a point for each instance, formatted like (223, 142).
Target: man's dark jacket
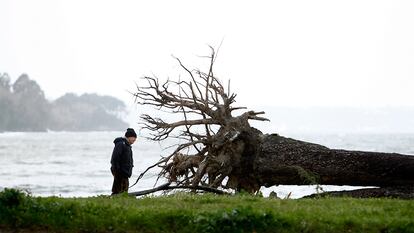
(121, 160)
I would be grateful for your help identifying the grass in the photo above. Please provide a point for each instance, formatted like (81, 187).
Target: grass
(203, 213)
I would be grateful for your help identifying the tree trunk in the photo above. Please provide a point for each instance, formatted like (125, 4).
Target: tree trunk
(403, 192)
(286, 161)
(219, 149)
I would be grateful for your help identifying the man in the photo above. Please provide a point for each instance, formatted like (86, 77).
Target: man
(122, 161)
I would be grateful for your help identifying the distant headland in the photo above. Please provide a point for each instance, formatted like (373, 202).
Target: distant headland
(23, 107)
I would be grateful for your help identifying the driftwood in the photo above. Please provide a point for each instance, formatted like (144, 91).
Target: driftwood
(220, 149)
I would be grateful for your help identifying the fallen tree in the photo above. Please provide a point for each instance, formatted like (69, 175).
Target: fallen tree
(219, 149)
(288, 161)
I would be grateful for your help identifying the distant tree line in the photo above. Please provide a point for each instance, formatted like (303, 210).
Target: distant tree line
(23, 107)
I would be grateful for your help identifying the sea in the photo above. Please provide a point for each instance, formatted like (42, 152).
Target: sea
(77, 164)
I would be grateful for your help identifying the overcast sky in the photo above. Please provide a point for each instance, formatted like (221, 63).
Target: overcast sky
(291, 53)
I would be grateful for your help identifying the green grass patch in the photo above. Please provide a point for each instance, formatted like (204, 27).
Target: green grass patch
(203, 213)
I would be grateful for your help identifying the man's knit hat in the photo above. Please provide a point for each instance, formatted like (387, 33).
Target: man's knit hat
(130, 132)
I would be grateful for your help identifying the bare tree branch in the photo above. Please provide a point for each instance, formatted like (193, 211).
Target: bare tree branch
(167, 186)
